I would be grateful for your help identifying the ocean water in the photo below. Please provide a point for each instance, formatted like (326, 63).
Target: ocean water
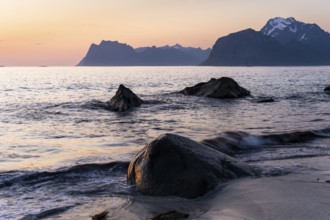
(64, 156)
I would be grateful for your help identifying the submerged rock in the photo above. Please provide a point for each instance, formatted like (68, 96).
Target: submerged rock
(221, 88)
(124, 100)
(173, 165)
(265, 100)
(171, 215)
(100, 216)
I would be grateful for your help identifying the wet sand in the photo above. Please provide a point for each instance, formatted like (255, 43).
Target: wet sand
(294, 196)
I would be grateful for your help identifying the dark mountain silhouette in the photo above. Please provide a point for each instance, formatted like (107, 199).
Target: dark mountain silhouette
(281, 41)
(155, 56)
(112, 53)
(247, 48)
(198, 53)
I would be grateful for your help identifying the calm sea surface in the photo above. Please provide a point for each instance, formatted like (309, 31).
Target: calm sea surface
(51, 119)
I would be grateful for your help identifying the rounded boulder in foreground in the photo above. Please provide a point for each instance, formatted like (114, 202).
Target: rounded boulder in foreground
(173, 165)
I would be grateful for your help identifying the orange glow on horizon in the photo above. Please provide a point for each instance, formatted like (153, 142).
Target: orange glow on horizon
(44, 32)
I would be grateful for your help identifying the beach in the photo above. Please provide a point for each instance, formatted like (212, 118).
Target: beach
(65, 156)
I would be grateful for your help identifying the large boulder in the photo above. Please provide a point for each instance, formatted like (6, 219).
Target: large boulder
(124, 99)
(173, 165)
(222, 88)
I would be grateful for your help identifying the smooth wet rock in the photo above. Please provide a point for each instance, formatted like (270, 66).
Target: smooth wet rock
(222, 88)
(124, 100)
(228, 142)
(100, 216)
(293, 137)
(265, 100)
(173, 165)
(171, 215)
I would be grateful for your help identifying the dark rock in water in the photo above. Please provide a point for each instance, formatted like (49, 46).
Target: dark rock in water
(228, 143)
(47, 213)
(265, 100)
(173, 165)
(171, 215)
(100, 216)
(294, 137)
(222, 88)
(124, 100)
(327, 89)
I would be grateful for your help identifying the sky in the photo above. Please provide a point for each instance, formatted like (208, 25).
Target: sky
(59, 33)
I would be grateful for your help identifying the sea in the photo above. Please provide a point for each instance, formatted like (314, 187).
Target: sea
(63, 155)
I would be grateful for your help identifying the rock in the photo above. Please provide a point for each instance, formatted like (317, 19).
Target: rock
(222, 88)
(100, 216)
(171, 215)
(124, 100)
(293, 137)
(266, 100)
(327, 89)
(173, 165)
(228, 142)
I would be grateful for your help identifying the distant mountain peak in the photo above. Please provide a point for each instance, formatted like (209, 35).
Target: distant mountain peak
(285, 30)
(114, 53)
(282, 41)
(278, 24)
(177, 46)
(110, 43)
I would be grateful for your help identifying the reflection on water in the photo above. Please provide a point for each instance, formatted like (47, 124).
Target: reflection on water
(52, 119)
(52, 113)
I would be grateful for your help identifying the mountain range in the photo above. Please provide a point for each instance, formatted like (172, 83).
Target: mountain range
(113, 53)
(281, 42)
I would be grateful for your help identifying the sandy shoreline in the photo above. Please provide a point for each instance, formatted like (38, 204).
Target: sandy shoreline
(295, 196)
(301, 196)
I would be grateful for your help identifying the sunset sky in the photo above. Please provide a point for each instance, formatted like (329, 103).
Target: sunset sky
(48, 32)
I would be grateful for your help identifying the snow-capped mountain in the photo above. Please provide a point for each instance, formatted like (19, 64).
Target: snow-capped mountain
(282, 41)
(286, 29)
(276, 25)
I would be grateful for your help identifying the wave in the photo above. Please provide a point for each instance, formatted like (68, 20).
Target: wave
(47, 213)
(32, 178)
(229, 143)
